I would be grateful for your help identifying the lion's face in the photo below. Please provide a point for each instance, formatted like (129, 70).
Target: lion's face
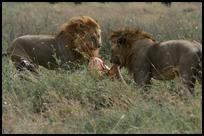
(88, 35)
(123, 43)
(84, 32)
(88, 38)
(119, 50)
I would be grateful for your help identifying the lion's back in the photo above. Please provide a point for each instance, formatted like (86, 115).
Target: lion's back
(31, 41)
(32, 47)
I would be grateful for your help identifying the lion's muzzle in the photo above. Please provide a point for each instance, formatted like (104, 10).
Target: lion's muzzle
(115, 60)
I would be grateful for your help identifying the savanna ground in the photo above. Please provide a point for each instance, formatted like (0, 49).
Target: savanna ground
(74, 102)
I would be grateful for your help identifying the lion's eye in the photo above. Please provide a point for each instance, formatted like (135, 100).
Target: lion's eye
(121, 41)
(82, 26)
(93, 38)
(83, 33)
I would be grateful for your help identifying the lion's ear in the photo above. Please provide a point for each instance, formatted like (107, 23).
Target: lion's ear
(80, 24)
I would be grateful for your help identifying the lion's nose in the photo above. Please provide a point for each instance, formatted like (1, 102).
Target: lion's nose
(115, 60)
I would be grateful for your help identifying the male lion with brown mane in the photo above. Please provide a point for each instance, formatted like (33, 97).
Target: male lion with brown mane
(138, 51)
(54, 51)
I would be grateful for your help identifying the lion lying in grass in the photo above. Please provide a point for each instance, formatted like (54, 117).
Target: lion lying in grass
(138, 51)
(55, 51)
(77, 41)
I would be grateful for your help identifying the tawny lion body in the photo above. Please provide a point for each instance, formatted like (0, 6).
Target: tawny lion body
(55, 51)
(136, 50)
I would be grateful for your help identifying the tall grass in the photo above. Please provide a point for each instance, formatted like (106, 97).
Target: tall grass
(75, 102)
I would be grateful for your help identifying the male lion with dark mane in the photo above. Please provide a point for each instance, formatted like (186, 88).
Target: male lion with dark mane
(138, 51)
(54, 51)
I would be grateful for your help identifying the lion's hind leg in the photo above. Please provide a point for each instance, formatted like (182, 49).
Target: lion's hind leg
(188, 76)
(22, 63)
(28, 65)
(25, 69)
